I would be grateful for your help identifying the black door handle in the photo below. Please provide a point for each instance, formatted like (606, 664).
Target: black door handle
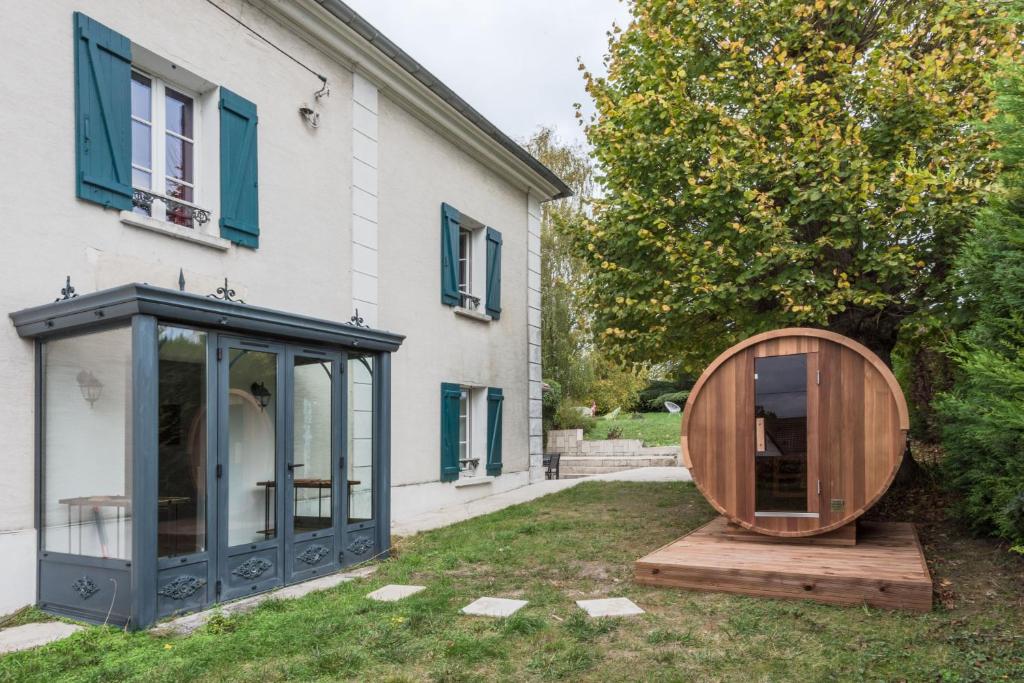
(293, 465)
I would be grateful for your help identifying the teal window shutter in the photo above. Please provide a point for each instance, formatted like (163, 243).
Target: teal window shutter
(239, 182)
(450, 221)
(103, 106)
(450, 431)
(494, 402)
(493, 303)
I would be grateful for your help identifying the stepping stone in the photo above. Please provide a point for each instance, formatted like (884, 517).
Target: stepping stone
(610, 607)
(33, 635)
(493, 607)
(393, 592)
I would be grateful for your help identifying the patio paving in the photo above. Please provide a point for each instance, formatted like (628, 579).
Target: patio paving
(33, 635)
(393, 592)
(493, 607)
(610, 607)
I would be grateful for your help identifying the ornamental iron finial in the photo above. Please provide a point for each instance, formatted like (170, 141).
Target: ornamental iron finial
(225, 293)
(357, 320)
(68, 292)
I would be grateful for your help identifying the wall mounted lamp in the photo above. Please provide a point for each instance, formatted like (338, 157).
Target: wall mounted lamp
(260, 392)
(90, 387)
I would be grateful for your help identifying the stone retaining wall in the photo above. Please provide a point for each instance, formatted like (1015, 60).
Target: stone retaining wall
(582, 458)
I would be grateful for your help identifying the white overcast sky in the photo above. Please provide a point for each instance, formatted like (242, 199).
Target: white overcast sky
(514, 61)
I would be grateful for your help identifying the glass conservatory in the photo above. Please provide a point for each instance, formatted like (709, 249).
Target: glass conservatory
(192, 450)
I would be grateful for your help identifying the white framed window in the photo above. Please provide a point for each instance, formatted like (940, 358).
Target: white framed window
(165, 141)
(467, 463)
(465, 261)
(472, 264)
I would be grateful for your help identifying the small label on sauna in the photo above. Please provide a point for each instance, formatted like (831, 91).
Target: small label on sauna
(838, 504)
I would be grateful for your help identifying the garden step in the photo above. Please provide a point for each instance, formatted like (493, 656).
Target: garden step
(583, 466)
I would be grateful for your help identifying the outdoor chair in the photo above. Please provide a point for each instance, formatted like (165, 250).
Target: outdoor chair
(672, 407)
(552, 463)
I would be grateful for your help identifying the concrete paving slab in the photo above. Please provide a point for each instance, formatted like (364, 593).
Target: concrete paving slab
(493, 607)
(610, 607)
(28, 636)
(393, 592)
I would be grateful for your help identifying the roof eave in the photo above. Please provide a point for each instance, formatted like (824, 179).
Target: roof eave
(348, 37)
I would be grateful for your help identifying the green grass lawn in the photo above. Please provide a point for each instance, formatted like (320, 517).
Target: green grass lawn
(579, 543)
(654, 429)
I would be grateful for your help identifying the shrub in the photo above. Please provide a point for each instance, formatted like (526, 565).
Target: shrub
(652, 397)
(983, 427)
(677, 397)
(568, 416)
(616, 385)
(550, 400)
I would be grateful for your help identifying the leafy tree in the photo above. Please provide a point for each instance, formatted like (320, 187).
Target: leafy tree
(581, 371)
(785, 162)
(565, 335)
(984, 414)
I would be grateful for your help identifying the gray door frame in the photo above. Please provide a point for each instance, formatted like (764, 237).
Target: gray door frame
(313, 553)
(254, 567)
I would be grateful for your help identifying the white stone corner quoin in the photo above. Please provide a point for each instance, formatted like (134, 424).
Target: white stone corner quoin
(365, 271)
(533, 313)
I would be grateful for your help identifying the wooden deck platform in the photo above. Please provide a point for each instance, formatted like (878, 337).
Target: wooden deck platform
(886, 567)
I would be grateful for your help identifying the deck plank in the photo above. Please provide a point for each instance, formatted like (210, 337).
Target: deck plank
(885, 569)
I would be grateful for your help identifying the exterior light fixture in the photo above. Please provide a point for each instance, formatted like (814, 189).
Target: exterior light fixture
(260, 392)
(311, 117)
(90, 387)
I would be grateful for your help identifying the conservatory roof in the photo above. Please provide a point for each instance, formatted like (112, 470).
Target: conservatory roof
(119, 304)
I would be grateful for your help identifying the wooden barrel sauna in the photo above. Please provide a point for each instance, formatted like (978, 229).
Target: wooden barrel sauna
(795, 432)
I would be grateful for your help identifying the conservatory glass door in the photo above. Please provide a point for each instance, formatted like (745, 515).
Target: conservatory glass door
(249, 467)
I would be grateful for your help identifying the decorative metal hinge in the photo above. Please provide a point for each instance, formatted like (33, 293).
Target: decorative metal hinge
(218, 587)
(220, 470)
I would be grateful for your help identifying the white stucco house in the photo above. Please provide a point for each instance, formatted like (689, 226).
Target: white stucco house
(270, 284)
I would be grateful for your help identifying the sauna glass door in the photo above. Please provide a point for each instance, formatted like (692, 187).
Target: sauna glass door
(781, 472)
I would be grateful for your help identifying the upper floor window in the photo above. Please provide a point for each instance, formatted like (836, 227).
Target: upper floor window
(163, 149)
(466, 268)
(154, 139)
(470, 265)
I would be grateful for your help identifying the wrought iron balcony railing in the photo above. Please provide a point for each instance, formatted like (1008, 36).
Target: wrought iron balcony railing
(180, 208)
